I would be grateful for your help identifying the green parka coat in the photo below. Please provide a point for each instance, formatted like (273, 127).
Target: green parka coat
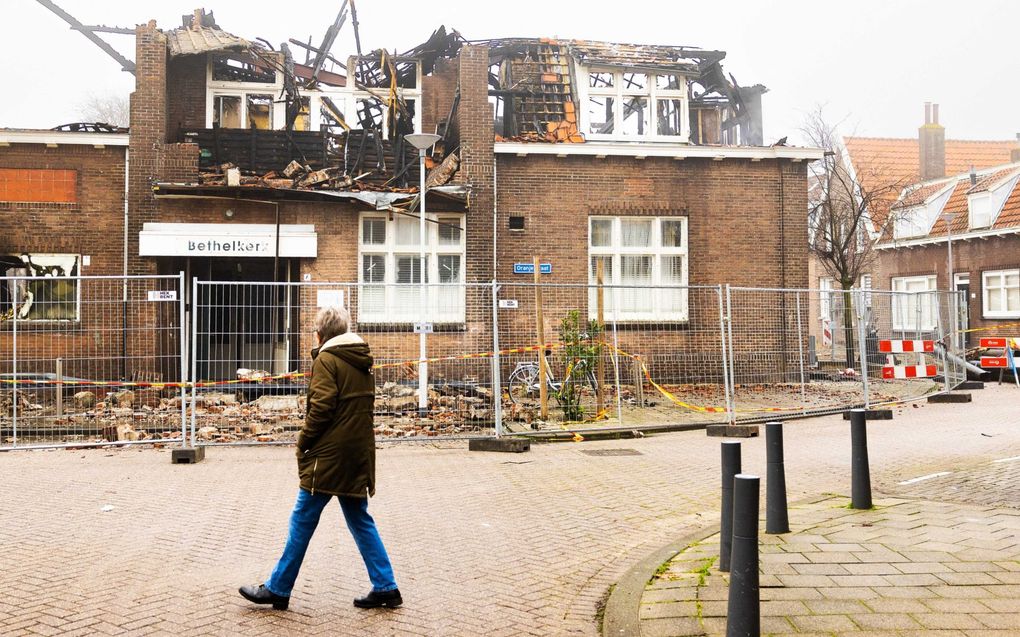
(336, 447)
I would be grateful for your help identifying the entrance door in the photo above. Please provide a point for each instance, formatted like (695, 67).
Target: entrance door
(244, 320)
(961, 283)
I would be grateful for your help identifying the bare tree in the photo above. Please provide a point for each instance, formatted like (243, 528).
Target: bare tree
(849, 211)
(109, 108)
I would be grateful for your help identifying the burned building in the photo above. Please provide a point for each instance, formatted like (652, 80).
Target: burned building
(248, 162)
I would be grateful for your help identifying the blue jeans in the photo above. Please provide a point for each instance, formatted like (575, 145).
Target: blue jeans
(303, 521)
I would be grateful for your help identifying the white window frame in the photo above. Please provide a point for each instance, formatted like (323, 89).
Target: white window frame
(444, 306)
(905, 307)
(826, 285)
(866, 286)
(979, 210)
(615, 250)
(46, 259)
(618, 93)
(1002, 290)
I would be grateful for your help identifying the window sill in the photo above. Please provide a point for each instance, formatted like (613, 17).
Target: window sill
(1001, 316)
(371, 327)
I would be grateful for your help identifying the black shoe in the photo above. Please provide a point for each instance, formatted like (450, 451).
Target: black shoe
(380, 599)
(262, 595)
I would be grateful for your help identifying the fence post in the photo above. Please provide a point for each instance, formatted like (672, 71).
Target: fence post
(723, 321)
(194, 353)
(743, 607)
(60, 386)
(497, 386)
(730, 461)
(183, 336)
(729, 348)
(938, 337)
(800, 351)
(14, 366)
(862, 346)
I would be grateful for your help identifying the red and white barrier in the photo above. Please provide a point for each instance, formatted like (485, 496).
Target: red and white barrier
(905, 346)
(993, 342)
(909, 371)
(996, 362)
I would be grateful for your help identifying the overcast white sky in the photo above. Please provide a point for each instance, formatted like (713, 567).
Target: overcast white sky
(874, 62)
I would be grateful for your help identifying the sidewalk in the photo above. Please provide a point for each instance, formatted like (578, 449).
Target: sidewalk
(907, 567)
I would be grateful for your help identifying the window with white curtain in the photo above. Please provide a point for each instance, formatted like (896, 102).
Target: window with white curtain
(390, 272)
(1000, 291)
(646, 257)
(914, 306)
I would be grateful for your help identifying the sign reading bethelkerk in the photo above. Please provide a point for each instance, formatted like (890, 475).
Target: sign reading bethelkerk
(226, 240)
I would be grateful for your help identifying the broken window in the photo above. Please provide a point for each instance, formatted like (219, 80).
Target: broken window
(669, 117)
(38, 185)
(227, 111)
(622, 103)
(303, 121)
(639, 254)
(40, 296)
(240, 67)
(260, 111)
(601, 115)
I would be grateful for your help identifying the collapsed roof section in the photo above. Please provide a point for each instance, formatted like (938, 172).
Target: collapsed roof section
(575, 90)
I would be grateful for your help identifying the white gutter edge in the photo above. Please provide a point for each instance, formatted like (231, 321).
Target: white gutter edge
(68, 138)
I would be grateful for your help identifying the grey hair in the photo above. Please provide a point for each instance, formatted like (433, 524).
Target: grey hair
(332, 321)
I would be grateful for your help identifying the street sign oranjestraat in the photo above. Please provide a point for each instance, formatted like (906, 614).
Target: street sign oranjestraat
(529, 268)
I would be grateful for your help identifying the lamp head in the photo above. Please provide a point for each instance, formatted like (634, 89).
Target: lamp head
(421, 141)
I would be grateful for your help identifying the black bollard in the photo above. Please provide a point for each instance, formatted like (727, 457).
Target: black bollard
(776, 517)
(860, 473)
(730, 468)
(743, 616)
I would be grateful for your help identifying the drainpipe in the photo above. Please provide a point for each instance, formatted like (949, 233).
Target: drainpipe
(124, 295)
(495, 216)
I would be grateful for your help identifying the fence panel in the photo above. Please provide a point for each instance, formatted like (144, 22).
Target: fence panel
(655, 360)
(253, 344)
(793, 352)
(86, 360)
(906, 355)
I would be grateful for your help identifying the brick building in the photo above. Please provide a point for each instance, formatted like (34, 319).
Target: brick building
(647, 159)
(931, 176)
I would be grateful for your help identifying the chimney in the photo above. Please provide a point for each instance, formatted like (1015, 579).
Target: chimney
(1014, 153)
(973, 177)
(931, 139)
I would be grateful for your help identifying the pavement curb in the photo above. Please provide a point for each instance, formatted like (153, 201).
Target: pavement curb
(622, 617)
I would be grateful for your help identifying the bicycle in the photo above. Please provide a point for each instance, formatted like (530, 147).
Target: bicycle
(523, 383)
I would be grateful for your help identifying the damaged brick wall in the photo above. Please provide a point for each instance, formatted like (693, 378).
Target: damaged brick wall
(186, 83)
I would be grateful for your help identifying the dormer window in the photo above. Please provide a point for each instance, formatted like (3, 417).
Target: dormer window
(979, 209)
(635, 105)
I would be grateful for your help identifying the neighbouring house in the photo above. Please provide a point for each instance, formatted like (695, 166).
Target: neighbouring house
(244, 164)
(923, 173)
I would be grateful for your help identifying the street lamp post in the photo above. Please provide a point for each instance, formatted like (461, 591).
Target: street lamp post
(422, 141)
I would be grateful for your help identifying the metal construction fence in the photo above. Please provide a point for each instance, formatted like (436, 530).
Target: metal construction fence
(151, 359)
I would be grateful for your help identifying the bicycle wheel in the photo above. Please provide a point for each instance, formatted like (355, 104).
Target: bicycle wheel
(523, 384)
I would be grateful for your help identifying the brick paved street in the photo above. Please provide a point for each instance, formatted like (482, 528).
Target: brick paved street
(483, 543)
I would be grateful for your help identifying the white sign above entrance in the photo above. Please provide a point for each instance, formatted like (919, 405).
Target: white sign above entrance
(226, 240)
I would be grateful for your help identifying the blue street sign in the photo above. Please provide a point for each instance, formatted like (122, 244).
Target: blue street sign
(529, 268)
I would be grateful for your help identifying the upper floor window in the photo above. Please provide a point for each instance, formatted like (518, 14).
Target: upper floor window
(979, 209)
(632, 105)
(647, 258)
(914, 306)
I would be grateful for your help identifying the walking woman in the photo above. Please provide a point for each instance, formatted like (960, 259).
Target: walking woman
(336, 457)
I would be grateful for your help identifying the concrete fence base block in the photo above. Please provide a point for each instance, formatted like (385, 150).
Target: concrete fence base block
(188, 455)
(873, 414)
(504, 445)
(732, 431)
(950, 398)
(971, 384)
